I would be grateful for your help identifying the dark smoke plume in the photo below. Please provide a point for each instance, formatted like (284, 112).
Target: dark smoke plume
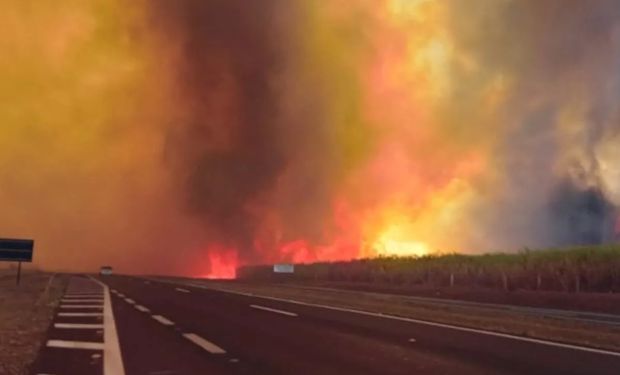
(225, 146)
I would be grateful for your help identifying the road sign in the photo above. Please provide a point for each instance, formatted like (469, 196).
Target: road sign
(12, 250)
(284, 268)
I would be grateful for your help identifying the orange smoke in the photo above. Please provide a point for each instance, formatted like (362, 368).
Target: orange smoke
(189, 137)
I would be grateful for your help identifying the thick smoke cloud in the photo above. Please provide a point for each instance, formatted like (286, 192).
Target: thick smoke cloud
(561, 112)
(193, 135)
(224, 145)
(251, 140)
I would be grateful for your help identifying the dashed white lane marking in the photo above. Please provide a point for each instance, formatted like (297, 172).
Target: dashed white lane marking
(130, 301)
(77, 326)
(206, 345)
(75, 345)
(259, 307)
(112, 359)
(79, 314)
(163, 320)
(412, 340)
(182, 290)
(418, 321)
(120, 295)
(81, 306)
(141, 308)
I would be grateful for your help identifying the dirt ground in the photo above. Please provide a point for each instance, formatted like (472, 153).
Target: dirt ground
(25, 314)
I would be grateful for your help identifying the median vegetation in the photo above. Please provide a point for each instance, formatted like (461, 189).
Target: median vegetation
(577, 269)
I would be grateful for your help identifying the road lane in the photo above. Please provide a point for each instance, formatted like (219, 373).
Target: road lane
(268, 346)
(328, 341)
(149, 347)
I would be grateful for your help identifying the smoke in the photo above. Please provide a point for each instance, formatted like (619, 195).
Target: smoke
(223, 143)
(189, 136)
(561, 112)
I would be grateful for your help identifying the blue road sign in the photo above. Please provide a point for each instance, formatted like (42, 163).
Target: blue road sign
(14, 250)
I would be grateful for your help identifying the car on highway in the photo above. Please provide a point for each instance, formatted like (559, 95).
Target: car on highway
(105, 271)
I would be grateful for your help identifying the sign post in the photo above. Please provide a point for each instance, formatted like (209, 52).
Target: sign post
(15, 250)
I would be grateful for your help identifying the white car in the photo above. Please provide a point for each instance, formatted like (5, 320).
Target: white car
(105, 271)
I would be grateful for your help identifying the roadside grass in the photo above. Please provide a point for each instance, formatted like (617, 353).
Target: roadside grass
(25, 314)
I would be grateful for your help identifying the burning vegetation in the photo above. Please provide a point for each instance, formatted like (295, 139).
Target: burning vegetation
(231, 132)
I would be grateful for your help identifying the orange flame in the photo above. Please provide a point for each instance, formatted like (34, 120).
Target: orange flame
(223, 262)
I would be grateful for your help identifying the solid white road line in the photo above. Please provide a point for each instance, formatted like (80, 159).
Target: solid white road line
(81, 300)
(418, 321)
(162, 320)
(75, 345)
(81, 306)
(206, 345)
(83, 296)
(130, 301)
(80, 314)
(141, 308)
(183, 290)
(77, 326)
(273, 310)
(112, 358)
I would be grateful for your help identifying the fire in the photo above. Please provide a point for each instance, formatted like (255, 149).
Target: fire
(222, 263)
(391, 247)
(399, 240)
(303, 131)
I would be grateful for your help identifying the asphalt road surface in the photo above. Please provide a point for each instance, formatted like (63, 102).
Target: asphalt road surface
(159, 328)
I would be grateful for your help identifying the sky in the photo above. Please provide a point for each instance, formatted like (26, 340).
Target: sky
(188, 137)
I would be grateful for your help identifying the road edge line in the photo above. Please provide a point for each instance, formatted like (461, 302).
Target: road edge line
(112, 357)
(411, 320)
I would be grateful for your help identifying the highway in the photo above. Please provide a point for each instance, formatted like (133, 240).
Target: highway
(572, 315)
(165, 329)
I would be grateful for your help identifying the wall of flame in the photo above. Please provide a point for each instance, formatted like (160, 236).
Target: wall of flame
(188, 137)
